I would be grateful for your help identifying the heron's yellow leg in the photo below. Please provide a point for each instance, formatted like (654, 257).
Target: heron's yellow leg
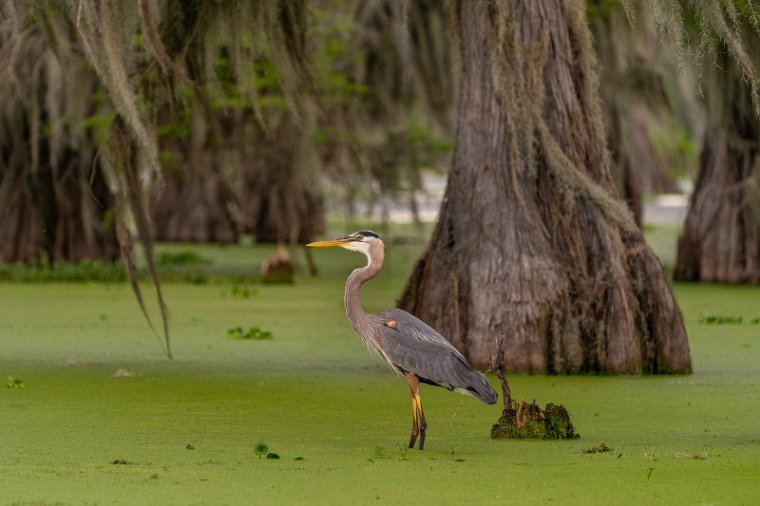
(414, 385)
(420, 417)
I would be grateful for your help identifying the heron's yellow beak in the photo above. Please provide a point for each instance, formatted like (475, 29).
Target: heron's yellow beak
(326, 244)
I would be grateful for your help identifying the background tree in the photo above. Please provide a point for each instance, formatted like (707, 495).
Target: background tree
(388, 95)
(721, 237)
(532, 247)
(237, 130)
(633, 98)
(55, 202)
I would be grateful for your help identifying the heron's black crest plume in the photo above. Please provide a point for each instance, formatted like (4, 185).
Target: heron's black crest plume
(368, 233)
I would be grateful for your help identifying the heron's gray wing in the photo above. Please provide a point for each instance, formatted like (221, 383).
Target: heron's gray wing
(415, 347)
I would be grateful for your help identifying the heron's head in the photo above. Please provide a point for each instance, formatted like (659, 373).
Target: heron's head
(363, 242)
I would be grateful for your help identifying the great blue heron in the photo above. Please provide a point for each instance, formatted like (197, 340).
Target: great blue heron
(409, 346)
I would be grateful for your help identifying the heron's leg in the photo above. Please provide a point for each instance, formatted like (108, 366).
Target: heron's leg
(414, 387)
(422, 422)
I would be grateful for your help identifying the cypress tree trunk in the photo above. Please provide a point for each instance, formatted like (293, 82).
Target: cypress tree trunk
(721, 237)
(531, 246)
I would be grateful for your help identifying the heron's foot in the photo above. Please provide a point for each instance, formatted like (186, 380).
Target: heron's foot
(413, 438)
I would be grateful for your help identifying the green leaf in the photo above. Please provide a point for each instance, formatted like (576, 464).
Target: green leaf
(261, 450)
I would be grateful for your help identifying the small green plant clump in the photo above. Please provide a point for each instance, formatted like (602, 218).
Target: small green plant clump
(401, 447)
(711, 319)
(262, 450)
(600, 448)
(186, 258)
(44, 270)
(186, 266)
(239, 292)
(253, 333)
(15, 383)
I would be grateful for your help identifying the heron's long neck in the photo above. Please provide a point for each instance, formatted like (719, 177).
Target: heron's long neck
(360, 319)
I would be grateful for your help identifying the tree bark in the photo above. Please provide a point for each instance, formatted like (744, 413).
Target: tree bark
(721, 237)
(531, 246)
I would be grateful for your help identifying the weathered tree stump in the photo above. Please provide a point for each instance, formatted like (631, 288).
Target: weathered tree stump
(277, 268)
(520, 420)
(528, 421)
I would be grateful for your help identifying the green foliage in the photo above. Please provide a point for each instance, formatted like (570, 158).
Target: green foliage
(100, 122)
(708, 319)
(326, 134)
(261, 450)
(679, 151)
(267, 81)
(181, 259)
(97, 271)
(253, 333)
(176, 130)
(239, 292)
(402, 450)
(15, 383)
(334, 59)
(597, 8)
(108, 219)
(46, 271)
(600, 448)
